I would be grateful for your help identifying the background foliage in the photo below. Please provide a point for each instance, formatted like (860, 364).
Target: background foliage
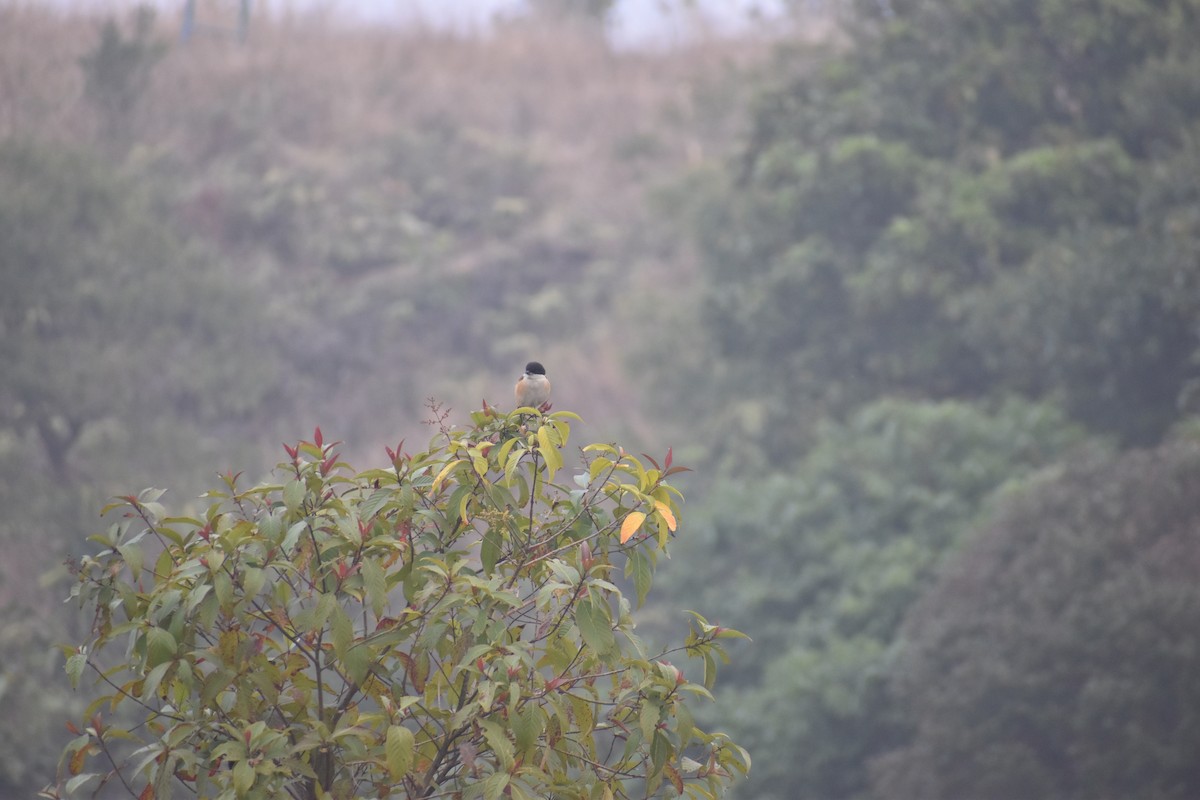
(901, 277)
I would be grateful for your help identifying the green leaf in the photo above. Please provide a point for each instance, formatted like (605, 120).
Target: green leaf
(501, 456)
(342, 629)
(375, 584)
(599, 464)
(595, 625)
(253, 579)
(489, 549)
(243, 777)
(639, 568)
(528, 726)
(660, 751)
(153, 680)
(358, 662)
(134, 558)
(399, 747)
(293, 496)
(293, 535)
(648, 718)
(73, 785)
(493, 786)
(160, 646)
(550, 454)
(710, 669)
(497, 739)
(510, 466)
(76, 663)
(685, 725)
(270, 527)
(377, 499)
(487, 693)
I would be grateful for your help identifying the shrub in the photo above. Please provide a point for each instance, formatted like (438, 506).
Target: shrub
(447, 626)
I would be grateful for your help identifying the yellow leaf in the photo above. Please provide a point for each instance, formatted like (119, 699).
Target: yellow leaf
(398, 748)
(665, 511)
(631, 524)
(437, 482)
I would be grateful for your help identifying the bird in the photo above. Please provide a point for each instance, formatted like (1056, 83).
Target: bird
(533, 387)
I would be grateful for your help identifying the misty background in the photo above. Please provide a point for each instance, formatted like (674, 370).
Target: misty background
(913, 287)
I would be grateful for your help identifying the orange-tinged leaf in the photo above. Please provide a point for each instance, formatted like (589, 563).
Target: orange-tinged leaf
(631, 524)
(675, 778)
(667, 514)
(75, 766)
(147, 793)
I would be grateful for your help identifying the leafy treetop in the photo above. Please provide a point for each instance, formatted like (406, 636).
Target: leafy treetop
(448, 626)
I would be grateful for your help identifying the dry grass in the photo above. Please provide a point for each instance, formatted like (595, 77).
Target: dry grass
(305, 95)
(312, 86)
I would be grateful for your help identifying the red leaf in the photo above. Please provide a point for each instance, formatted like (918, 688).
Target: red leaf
(667, 462)
(318, 439)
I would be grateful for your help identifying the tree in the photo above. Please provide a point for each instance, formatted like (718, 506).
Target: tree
(589, 11)
(123, 350)
(111, 320)
(1056, 656)
(118, 70)
(821, 564)
(446, 626)
(901, 205)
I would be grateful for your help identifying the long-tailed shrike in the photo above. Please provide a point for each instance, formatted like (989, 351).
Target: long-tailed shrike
(533, 388)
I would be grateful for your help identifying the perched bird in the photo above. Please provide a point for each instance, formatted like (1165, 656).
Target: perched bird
(533, 387)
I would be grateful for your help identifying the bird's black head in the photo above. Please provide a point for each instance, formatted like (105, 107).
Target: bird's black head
(534, 368)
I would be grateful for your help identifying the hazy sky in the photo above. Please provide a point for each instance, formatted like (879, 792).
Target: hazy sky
(635, 22)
